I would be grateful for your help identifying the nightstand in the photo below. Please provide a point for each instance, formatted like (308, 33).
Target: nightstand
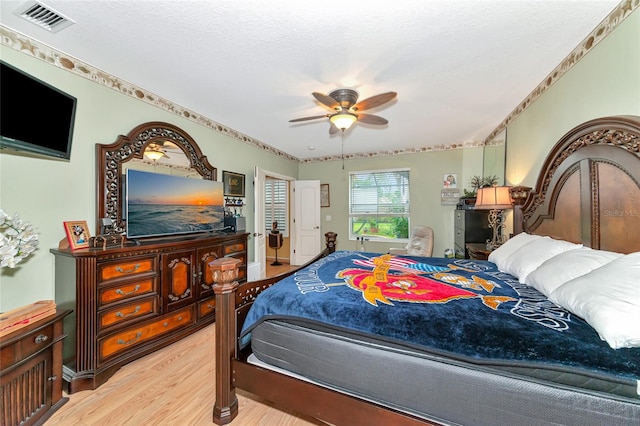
(478, 251)
(31, 372)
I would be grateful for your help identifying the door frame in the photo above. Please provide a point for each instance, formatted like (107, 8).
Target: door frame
(260, 253)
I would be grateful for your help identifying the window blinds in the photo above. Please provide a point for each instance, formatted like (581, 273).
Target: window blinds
(379, 193)
(276, 204)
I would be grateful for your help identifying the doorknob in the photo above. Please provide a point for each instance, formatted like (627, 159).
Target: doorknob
(257, 234)
(316, 227)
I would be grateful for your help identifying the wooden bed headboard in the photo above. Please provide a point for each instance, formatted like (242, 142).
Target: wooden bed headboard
(588, 190)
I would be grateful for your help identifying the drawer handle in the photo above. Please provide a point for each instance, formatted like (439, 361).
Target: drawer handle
(41, 338)
(127, 343)
(128, 271)
(166, 323)
(135, 311)
(210, 307)
(135, 290)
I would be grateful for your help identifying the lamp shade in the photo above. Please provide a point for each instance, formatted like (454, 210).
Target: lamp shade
(493, 198)
(343, 120)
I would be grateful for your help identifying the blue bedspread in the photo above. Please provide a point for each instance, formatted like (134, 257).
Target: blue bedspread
(458, 307)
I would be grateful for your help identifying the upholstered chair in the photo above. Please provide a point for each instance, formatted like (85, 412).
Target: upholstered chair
(420, 243)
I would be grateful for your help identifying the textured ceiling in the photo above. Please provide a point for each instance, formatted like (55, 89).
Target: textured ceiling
(459, 67)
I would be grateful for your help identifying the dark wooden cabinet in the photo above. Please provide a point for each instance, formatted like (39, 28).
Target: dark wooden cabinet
(471, 226)
(31, 372)
(131, 301)
(478, 251)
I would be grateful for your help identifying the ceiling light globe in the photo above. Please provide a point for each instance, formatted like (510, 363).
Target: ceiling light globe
(343, 120)
(154, 154)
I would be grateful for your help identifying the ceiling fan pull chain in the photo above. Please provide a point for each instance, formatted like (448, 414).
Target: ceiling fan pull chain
(342, 149)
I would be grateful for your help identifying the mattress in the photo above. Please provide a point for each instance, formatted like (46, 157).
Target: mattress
(440, 388)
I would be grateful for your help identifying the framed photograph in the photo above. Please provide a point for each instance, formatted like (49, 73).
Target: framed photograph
(233, 184)
(325, 201)
(450, 181)
(77, 234)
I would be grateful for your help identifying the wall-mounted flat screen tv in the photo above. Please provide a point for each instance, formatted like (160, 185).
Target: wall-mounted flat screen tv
(35, 117)
(161, 205)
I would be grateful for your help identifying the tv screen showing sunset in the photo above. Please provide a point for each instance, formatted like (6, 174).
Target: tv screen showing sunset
(162, 204)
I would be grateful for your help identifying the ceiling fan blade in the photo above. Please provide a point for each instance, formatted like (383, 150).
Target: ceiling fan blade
(374, 101)
(308, 118)
(333, 129)
(371, 119)
(326, 100)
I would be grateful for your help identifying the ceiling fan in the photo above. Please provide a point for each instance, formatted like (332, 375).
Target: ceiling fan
(159, 149)
(344, 103)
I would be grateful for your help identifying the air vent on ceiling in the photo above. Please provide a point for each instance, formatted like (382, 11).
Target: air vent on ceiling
(43, 16)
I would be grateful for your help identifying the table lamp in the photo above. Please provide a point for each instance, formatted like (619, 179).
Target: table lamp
(495, 199)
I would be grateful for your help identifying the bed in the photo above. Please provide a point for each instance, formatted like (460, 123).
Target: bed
(458, 341)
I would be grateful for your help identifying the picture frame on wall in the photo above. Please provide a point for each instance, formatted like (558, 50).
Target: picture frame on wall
(78, 234)
(450, 181)
(233, 184)
(325, 201)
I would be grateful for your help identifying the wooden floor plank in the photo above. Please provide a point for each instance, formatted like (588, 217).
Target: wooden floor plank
(172, 386)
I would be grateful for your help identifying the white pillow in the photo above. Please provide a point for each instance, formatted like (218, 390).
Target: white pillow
(500, 255)
(567, 266)
(608, 298)
(531, 255)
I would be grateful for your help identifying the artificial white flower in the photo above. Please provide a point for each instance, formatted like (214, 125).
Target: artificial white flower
(18, 240)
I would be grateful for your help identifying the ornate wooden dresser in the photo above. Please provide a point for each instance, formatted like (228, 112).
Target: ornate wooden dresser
(133, 300)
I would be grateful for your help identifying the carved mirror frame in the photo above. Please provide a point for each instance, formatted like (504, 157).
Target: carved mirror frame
(110, 160)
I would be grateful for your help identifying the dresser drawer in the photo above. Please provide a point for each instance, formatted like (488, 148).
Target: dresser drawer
(459, 219)
(234, 248)
(124, 291)
(206, 307)
(459, 237)
(126, 268)
(27, 345)
(127, 312)
(133, 336)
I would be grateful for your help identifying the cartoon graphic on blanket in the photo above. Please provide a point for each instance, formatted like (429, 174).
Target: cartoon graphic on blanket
(379, 285)
(462, 308)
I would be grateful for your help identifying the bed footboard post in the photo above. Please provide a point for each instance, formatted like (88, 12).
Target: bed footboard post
(225, 273)
(330, 238)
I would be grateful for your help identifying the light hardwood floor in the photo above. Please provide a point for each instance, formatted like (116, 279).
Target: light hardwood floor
(172, 386)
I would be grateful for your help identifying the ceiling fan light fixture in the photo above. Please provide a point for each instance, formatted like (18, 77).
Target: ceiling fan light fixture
(343, 120)
(154, 154)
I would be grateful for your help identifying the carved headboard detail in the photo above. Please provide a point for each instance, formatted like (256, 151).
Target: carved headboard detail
(589, 188)
(110, 159)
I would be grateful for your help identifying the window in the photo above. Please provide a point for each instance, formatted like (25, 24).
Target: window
(276, 205)
(379, 204)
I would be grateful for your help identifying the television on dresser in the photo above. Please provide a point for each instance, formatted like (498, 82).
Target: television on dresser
(162, 205)
(35, 117)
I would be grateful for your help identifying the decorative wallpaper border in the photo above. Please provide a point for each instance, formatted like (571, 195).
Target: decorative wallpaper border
(24, 44)
(607, 26)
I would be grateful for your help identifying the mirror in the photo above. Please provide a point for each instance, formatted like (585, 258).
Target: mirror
(494, 157)
(162, 157)
(130, 150)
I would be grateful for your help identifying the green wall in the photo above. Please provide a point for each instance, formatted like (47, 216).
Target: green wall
(605, 82)
(47, 192)
(427, 170)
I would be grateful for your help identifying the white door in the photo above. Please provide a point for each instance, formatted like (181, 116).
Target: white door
(260, 231)
(306, 221)
(259, 237)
